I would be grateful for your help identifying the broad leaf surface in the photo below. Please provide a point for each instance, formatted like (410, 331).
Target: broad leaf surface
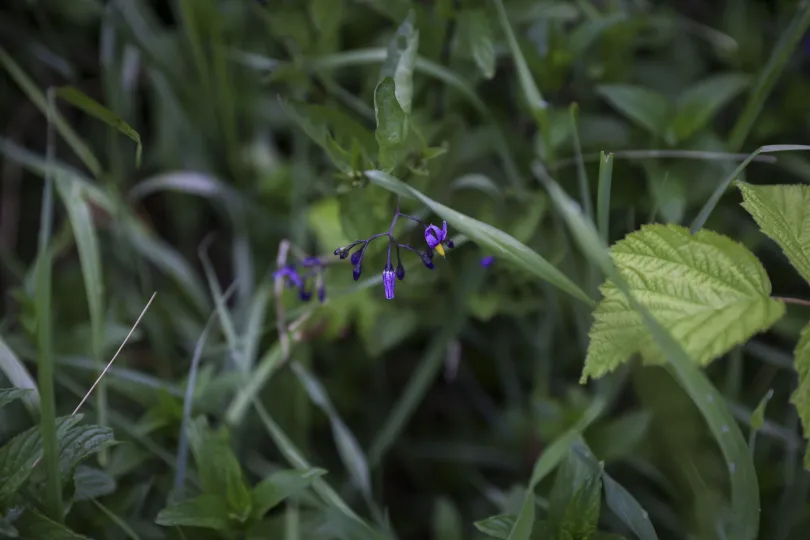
(708, 291)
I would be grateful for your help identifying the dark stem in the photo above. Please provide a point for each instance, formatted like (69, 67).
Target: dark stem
(419, 221)
(795, 301)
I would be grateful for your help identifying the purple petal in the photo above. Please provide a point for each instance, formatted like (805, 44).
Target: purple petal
(487, 261)
(444, 231)
(389, 282)
(433, 236)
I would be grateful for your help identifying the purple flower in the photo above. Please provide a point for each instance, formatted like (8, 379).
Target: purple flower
(487, 261)
(389, 281)
(400, 271)
(291, 275)
(435, 236)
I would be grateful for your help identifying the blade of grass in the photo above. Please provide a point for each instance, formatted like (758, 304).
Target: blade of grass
(501, 244)
(84, 233)
(603, 196)
(297, 460)
(18, 376)
(699, 155)
(38, 98)
(127, 530)
(582, 174)
(188, 398)
(348, 448)
(745, 509)
(45, 367)
(80, 100)
(707, 209)
(769, 75)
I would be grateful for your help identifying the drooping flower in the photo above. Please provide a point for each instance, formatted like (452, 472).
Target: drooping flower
(315, 267)
(487, 261)
(435, 236)
(290, 274)
(389, 281)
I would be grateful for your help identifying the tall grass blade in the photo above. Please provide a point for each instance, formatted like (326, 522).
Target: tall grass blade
(769, 75)
(45, 364)
(38, 98)
(603, 196)
(707, 209)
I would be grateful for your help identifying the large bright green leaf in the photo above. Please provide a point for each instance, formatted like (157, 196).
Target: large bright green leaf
(783, 213)
(708, 291)
(400, 61)
(801, 396)
(496, 241)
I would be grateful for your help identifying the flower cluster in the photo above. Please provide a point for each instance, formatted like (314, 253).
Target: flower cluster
(435, 238)
(300, 275)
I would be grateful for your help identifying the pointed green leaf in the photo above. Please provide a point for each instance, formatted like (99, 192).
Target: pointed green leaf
(698, 104)
(18, 375)
(279, 486)
(209, 511)
(477, 32)
(82, 101)
(392, 124)
(801, 396)
(758, 416)
(400, 61)
(19, 454)
(7, 395)
(628, 509)
(496, 526)
(708, 291)
(783, 213)
(33, 524)
(218, 467)
(645, 107)
(575, 499)
(498, 242)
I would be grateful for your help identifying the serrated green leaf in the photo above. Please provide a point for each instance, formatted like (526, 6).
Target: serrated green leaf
(645, 107)
(7, 395)
(208, 511)
(478, 37)
(392, 124)
(783, 213)
(80, 442)
(696, 106)
(279, 486)
(19, 454)
(82, 101)
(33, 524)
(801, 396)
(400, 61)
(219, 470)
(708, 291)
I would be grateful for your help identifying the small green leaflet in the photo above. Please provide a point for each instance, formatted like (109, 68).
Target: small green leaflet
(708, 291)
(801, 396)
(783, 213)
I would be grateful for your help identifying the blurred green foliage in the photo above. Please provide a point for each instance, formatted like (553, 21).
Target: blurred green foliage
(191, 142)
